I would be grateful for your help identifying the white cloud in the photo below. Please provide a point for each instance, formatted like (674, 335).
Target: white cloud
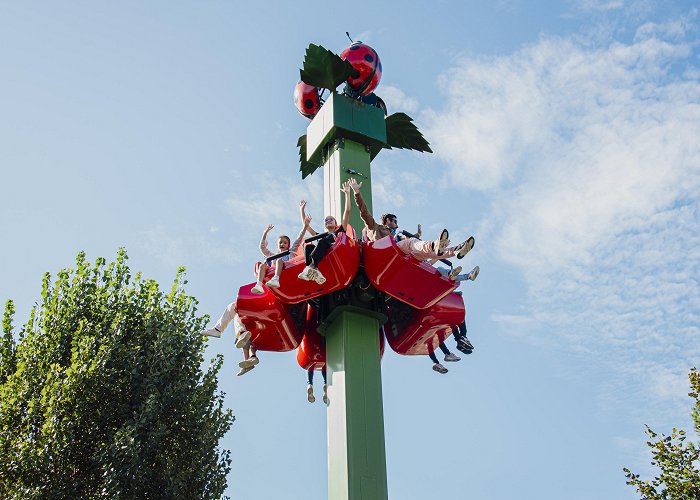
(396, 100)
(175, 248)
(266, 199)
(591, 159)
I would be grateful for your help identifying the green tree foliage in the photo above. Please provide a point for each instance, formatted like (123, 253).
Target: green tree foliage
(677, 459)
(102, 392)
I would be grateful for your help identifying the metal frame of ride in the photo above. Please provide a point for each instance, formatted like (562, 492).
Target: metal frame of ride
(372, 291)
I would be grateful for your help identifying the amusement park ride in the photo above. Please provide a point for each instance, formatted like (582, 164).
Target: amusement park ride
(372, 291)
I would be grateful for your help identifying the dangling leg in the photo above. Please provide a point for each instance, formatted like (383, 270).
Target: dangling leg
(258, 288)
(436, 364)
(325, 385)
(448, 355)
(274, 282)
(310, 387)
(228, 315)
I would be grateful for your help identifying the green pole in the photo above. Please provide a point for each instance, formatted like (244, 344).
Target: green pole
(342, 134)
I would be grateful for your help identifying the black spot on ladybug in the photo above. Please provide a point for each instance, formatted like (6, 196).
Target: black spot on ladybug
(369, 58)
(354, 47)
(308, 103)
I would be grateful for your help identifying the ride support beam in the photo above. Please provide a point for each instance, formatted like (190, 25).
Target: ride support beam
(356, 454)
(343, 134)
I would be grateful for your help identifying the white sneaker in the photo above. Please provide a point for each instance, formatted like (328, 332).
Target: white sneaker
(318, 277)
(441, 243)
(212, 332)
(274, 282)
(306, 273)
(243, 338)
(251, 361)
(473, 273)
(310, 393)
(325, 394)
(455, 272)
(439, 368)
(452, 357)
(465, 246)
(257, 289)
(243, 371)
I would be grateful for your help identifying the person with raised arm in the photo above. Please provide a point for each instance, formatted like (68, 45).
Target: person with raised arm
(283, 245)
(314, 253)
(422, 250)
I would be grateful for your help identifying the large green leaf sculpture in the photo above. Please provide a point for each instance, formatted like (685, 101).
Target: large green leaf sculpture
(324, 69)
(305, 167)
(403, 134)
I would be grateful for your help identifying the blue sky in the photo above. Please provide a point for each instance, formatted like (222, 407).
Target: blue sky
(565, 139)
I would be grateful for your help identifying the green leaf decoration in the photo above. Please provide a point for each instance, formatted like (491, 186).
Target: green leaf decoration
(324, 69)
(403, 134)
(305, 167)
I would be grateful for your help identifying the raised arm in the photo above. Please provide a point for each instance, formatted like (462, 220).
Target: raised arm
(419, 232)
(263, 242)
(306, 223)
(346, 214)
(364, 213)
(300, 238)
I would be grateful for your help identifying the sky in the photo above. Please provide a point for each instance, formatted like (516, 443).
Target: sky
(565, 139)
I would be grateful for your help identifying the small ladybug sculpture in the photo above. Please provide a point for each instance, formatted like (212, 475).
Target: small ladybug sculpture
(307, 99)
(369, 68)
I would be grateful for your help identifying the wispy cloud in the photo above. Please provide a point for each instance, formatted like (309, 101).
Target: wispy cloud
(590, 156)
(175, 248)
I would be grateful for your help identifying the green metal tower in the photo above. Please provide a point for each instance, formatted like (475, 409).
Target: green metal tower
(341, 135)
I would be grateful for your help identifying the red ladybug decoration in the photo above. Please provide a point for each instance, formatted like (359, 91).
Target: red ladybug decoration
(366, 61)
(307, 99)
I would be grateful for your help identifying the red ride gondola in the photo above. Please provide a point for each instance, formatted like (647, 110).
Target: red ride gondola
(420, 331)
(403, 276)
(312, 350)
(339, 267)
(273, 325)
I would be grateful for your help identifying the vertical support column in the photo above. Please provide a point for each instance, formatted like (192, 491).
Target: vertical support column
(346, 154)
(356, 454)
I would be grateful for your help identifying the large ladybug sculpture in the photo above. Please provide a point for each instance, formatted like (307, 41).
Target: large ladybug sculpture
(368, 68)
(307, 99)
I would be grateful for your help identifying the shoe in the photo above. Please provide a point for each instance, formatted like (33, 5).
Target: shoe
(243, 338)
(473, 273)
(441, 243)
(273, 282)
(455, 272)
(439, 368)
(318, 277)
(257, 289)
(325, 394)
(464, 247)
(463, 348)
(310, 393)
(468, 345)
(452, 357)
(212, 332)
(243, 371)
(305, 274)
(251, 361)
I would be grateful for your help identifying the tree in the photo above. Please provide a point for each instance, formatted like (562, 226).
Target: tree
(102, 394)
(677, 459)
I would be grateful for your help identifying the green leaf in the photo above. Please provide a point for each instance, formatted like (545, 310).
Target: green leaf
(305, 167)
(324, 69)
(403, 134)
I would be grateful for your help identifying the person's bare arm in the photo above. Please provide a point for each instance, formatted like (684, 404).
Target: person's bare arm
(346, 214)
(263, 242)
(302, 213)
